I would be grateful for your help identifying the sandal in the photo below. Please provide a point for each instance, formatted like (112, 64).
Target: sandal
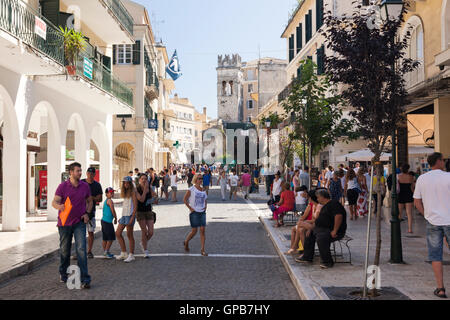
(204, 254)
(442, 295)
(185, 248)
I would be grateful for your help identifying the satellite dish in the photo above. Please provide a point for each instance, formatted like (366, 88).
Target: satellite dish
(428, 137)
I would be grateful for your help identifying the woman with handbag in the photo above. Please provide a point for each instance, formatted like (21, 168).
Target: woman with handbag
(351, 191)
(195, 200)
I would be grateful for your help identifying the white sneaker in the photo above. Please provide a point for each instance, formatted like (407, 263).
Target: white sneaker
(146, 254)
(122, 256)
(130, 258)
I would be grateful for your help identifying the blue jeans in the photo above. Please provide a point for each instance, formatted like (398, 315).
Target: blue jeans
(77, 231)
(435, 240)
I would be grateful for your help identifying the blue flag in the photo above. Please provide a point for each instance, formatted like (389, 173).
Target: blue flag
(173, 69)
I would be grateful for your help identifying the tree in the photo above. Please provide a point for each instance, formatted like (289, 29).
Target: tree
(315, 110)
(371, 65)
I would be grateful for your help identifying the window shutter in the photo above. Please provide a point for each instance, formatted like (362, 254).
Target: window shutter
(291, 48)
(320, 60)
(114, 54)
(308, 19)
(299, 73)
(319, 14)
(137, 52)
(299, 38)
(50, 10)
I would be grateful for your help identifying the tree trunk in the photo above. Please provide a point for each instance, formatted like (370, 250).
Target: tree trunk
(378, 230)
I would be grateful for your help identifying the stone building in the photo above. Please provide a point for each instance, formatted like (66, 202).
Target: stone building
(229, 88)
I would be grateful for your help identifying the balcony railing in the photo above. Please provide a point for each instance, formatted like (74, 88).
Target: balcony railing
(103, 78)
(19, 19)
(121, 14)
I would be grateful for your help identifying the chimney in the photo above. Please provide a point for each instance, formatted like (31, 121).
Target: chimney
(204, 111)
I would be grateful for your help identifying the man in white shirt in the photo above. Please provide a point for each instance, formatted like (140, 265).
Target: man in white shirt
(431, 199)
(329, 176)
(357, 167)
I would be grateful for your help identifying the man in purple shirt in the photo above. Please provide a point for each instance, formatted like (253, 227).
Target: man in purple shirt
(74, 225)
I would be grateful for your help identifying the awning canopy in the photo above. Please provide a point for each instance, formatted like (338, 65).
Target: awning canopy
(363, 155)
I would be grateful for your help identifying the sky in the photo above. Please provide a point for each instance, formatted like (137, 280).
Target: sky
(200, 30)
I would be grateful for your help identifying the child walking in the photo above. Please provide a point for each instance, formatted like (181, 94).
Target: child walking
(109, 214)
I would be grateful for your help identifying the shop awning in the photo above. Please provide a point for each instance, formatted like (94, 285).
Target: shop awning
(363, 155)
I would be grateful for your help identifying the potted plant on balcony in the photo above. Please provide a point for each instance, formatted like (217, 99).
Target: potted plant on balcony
(74, 42)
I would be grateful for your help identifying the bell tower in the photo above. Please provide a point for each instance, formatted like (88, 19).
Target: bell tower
(229, 88)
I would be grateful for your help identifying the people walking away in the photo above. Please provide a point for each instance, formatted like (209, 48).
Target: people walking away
(405, 195)
(246, 181)
(109, 216)
(222, 181)
(166, 184)
(144, 216)
(335, 187)
(330, 226)
(431, 199)
(97, 195)
(207, 180)
(233, 181)
(74, 204)
(196, 201)
(362, 202)
(190, 176)
(351, 191)
(174, 185)
(127, 221)
(304, 177)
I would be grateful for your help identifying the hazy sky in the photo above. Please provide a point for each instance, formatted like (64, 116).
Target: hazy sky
(202, 29)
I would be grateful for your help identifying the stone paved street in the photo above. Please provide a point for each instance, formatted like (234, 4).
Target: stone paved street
(242, 264)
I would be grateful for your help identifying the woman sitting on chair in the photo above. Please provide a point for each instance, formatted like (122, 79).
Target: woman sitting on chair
(286, 204)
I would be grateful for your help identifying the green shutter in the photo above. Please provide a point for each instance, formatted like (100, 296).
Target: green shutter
(137, 52)
(114, 54)
(319, 14)
(50, 10)
(291, 48)
(299, 38)
(308, 19)
(320, 60)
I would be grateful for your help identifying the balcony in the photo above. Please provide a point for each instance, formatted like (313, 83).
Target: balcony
(108, 19)
(152, 81)
(104, 79)
(41, 55)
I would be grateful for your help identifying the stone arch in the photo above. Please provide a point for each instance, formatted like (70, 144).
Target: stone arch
(445, 24)
(76, 123)
(13, 197)
(124, 158)
(101, 138)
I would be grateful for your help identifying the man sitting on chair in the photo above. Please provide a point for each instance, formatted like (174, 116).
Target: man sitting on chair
(330, 226)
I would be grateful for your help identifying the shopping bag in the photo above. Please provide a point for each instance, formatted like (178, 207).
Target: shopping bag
(300, 246)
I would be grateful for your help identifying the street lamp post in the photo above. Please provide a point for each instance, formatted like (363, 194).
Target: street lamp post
(268, 182)
(391, 10)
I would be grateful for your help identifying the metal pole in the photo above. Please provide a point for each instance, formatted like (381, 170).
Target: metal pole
(366, 263)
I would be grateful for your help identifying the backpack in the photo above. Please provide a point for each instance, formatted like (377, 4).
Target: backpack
(156, 181)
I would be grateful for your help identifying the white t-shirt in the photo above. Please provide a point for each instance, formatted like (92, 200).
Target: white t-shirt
(197, 200)
(299, 199)
(367, 175)
(329, 175)
(356, 170)
(434, 190)
(173, 180)
(276, 190)
(234, 180)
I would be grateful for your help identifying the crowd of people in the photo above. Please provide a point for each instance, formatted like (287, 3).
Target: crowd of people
(323, 215)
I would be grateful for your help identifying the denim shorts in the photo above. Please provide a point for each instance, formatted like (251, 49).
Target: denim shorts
(435, 240)
(300, 207)
(197, 219)
(126, 220)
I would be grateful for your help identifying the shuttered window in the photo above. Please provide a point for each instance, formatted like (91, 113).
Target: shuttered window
(124, 54)
(319, 14)
(291, 48)
(299, 38)
(320, 60)
(50, 10)
(137, 52)
(308, 19)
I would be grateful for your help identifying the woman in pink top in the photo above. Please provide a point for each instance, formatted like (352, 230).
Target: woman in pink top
(245, 183)
(286, 203)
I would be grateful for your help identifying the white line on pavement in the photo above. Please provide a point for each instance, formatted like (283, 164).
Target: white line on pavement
(199, 255)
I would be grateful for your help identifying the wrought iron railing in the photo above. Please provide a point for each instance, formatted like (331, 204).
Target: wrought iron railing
(19, 19)
(103, 78)
(121, 14)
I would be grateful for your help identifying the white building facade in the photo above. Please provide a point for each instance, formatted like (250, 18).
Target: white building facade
(39, 99)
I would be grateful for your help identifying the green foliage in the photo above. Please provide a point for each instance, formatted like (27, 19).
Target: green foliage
(316, 111)
(74, 43)
(275, 120)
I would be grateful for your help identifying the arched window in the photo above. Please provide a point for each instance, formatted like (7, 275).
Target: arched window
(415, 50)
